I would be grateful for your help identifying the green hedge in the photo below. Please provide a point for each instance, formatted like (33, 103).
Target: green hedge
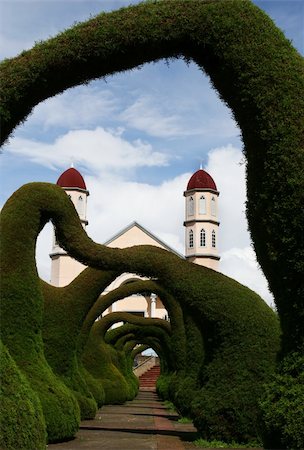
(256, 72)
(97, 360)
(22, 424)
(65, 310)
(240, 332)
(21, 318)
(137, 287)
(282, 405)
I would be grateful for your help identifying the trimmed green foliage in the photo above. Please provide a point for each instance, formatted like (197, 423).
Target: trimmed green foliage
(260, 76)
(97, 360)
(123, 364)
(22, 424)
(135, 351)
(147, 287)
(240, 332)
(119, 336)
(95, 387)
(202, 443)
(111, 367)
(256, 72)
(65, 309)
(163, 384)
(282, 406)
(21, 318)
(185, 387)
(110, 319)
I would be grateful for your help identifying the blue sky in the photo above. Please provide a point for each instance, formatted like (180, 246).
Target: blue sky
(136, 137)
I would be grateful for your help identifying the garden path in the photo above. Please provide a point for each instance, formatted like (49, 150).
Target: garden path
(141, 424)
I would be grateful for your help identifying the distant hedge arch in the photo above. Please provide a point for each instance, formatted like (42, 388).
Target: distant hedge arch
(256, 72)
(260, 76)
(240, 330)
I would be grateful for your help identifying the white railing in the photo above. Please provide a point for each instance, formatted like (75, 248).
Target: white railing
(144, 366)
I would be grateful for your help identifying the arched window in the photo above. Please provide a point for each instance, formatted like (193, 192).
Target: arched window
(191, 206)
(203, 238)
(213, 239)
(80, 206)
(202, 205)
(213, 207)
(191, 239)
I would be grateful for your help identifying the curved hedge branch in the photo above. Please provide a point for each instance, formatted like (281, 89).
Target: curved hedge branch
(240, 328)
(256, 72)
(119, 316)
(125, 290)
(135, 351)
(65, 309)
(172, 306)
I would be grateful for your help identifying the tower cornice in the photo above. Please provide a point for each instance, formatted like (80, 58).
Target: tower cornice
(192, 191)
(204, 256)
(194, 221)
(84, 191)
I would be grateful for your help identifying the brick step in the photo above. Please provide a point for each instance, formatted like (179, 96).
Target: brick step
(148, 379)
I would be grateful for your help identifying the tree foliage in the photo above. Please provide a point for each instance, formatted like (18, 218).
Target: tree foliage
(259, 75)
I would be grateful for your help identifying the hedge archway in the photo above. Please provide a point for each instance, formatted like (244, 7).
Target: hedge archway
(256, 72)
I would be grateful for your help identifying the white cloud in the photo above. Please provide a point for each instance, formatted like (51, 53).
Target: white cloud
(225, 165)
(241, 264)
(79, 107)
(146, 114)
(114, 203)
(163, 116)
(98, 150)
(43, 249)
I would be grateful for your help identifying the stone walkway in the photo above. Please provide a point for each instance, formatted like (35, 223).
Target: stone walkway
(141, 424)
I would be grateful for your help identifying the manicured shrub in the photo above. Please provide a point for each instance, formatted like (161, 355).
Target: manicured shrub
(282, 405)
(22, 424)
(98, 362)
(163, 385)
(95, 386)
(239, 331)
(21, 318)
(65, 310)
(260, 76)
(257, 73)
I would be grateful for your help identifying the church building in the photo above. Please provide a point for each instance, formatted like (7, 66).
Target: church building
(201, 239)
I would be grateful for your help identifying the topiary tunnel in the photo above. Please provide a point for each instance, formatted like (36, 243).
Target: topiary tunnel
(238, 330)
(260, 76)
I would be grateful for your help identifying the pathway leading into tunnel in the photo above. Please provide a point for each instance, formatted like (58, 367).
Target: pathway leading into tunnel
(141, 424)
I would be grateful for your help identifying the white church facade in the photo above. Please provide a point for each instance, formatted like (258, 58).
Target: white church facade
(201, 239)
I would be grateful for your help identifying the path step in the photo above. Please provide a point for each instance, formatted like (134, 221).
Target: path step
(148, 379)
(141, 424)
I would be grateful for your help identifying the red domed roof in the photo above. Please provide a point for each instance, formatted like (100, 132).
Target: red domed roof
(71, 178)
(201, 180)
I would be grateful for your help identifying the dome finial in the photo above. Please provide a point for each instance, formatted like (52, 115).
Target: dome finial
(201, 165)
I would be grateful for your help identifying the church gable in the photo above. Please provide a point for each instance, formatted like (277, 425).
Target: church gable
(135, 234)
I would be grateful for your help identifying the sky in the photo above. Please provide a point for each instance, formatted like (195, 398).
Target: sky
(136, 137)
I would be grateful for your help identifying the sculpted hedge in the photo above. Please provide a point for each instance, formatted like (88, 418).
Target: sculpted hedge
(260, 77)
(239, 330)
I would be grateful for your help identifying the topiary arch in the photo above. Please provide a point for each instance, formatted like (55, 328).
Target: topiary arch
(261, 78)
(256, 72)
(240, 331)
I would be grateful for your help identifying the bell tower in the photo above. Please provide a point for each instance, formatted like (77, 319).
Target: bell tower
(201, 220)
(64, 268)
